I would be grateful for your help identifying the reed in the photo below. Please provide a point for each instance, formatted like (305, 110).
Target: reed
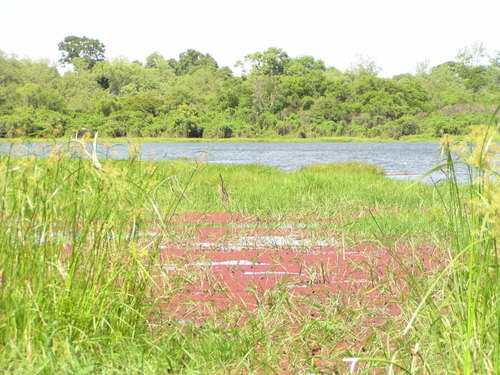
(453, 326)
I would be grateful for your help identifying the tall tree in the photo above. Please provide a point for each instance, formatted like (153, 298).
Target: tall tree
(191, 59)
(153, 60)
(475, 54)
(271, 62)
(89, 51)
(364, 66)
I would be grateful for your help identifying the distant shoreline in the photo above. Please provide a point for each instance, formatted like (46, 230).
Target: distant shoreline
(408, 139)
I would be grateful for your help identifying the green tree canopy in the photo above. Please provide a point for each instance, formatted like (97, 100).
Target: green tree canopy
(191, 59)
(271, 62)
(304, 65)
(191, 96)
(88, 50)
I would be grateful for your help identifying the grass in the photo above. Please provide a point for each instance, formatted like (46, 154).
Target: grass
(454, 325)
(78, 292)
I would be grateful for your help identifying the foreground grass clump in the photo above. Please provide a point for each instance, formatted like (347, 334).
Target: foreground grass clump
(453, 326)
(464, 303)
(73, 279)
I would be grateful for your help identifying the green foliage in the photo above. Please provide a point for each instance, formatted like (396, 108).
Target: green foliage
(279, 96)
(454, 120)
(271, 62)
(89, 51)
(191, 60)
(406, 125)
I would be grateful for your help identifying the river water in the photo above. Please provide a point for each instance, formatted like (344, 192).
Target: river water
(399, 160)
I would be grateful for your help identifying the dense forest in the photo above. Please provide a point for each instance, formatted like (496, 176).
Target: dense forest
(276, 95)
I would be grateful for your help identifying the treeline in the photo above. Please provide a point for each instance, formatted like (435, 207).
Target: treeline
(277, 95)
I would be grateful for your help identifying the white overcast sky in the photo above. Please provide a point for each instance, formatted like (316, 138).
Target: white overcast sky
(397, 34)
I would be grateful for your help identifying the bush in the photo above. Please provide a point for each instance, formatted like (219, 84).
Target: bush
(126, 123)
(221, 130)
(406, 125)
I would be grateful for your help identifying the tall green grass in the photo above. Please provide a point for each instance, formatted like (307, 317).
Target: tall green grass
(74, 277)
(466, 306)
(453, 326)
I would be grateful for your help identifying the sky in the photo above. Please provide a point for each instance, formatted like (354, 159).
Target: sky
(396, 34)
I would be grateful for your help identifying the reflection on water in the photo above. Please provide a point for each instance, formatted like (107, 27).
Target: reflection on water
(399, 160)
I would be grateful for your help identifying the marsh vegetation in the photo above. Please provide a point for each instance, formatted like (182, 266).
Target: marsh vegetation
(82, 247)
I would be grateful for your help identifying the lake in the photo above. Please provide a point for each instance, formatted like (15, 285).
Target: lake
(399, 160)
